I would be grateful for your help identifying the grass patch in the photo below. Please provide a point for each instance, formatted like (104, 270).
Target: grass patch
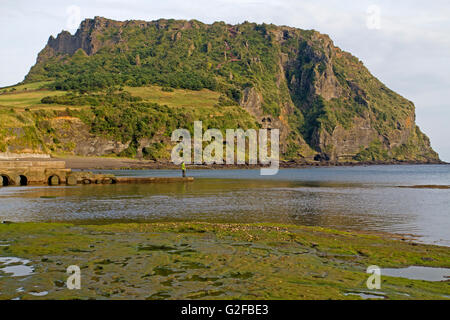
(26, 99)
(176, 97)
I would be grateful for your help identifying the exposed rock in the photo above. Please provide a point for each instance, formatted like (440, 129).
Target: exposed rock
(74, 132)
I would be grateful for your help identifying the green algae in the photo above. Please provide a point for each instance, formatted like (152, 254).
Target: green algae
(212, 261)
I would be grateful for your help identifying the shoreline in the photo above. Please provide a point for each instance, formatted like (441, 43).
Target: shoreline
(115, 163)
(105, 163)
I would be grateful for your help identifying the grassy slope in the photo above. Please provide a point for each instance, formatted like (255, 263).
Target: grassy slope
(29, 96)
(23, 87)
(212, 261)
(24, 96)
(177, 98)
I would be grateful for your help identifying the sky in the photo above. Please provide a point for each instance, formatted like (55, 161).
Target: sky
(404, 43)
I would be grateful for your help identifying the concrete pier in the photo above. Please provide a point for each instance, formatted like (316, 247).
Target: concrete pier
(32, 172)
(53, 173)
(23, 173)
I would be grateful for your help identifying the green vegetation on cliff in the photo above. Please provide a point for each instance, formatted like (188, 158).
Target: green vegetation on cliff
(326, 104)
(65, 123)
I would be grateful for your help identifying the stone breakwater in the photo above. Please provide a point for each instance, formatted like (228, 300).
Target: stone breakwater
(53, 173)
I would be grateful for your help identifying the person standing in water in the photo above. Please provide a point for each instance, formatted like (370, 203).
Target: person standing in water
(183, 169)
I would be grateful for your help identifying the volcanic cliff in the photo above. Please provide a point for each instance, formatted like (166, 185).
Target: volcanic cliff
(324, 100)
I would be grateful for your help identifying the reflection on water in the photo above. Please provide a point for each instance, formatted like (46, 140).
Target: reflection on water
(366, 198)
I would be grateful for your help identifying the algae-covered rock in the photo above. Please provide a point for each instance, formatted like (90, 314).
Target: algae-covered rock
(225, 261)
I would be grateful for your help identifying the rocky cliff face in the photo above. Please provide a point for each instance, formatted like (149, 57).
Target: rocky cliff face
(356, 110)
(86, 38)
(326, 103)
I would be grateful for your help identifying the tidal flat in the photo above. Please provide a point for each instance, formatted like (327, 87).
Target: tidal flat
(190, 260)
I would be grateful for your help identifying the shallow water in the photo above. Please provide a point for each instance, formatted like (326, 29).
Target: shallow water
(39, 294)
(15, 267)
(418, 273)
(349, 198)
(365, 295)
